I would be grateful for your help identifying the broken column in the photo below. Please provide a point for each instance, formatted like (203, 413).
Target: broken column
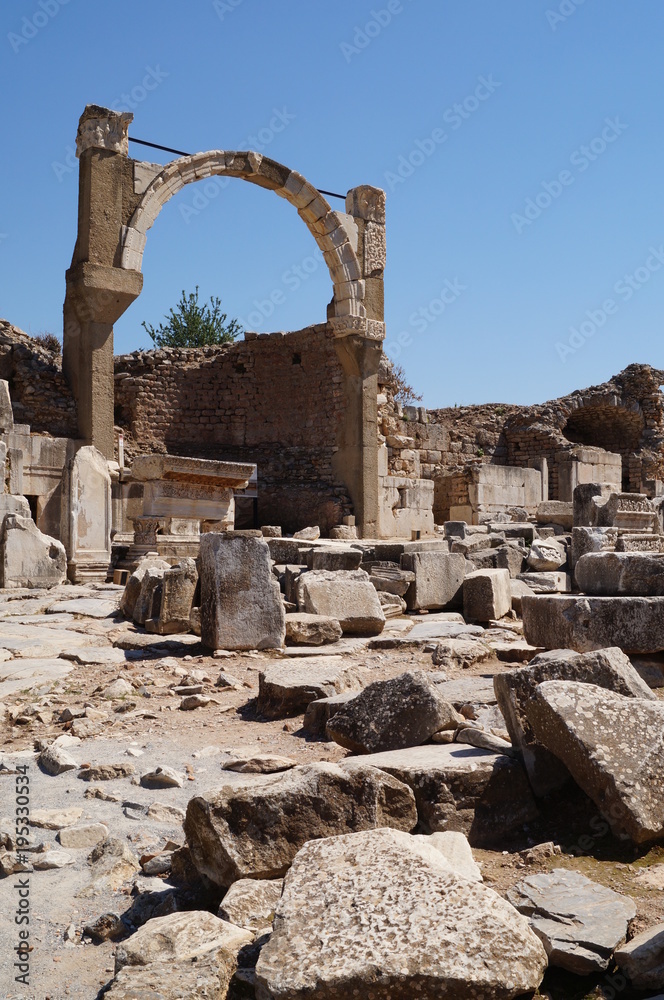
(86, 516)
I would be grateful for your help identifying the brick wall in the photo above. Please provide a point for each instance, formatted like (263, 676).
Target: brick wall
(38, 389)
(273, 399)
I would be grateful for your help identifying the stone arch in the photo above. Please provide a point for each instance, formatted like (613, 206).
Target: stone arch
(606, 421)
(334, 232)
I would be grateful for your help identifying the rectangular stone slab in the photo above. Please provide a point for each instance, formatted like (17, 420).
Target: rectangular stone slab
(554, 621)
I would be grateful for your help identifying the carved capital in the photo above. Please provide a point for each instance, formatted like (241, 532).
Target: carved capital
(100, 128)
(366, 202)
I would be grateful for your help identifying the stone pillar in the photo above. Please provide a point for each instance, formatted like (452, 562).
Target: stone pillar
(85, 527)
(98, 290)
(358, 345)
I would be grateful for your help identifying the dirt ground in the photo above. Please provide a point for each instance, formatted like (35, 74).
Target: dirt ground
(147, 729)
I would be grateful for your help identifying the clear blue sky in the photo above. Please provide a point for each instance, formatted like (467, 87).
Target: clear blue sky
(535, 208)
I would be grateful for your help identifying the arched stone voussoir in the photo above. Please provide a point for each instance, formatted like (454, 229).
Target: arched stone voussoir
(335, 238)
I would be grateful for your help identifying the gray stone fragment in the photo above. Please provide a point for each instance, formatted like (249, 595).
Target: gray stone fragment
(636, 624)
(334, 559)
(579, 922)
(612, 747)
(515, 689)
(29, 558)
(180, 936)
(438, 579)
(254, 830)
(287, 688)
(348, 596)
(381, 914)
(311, 630)
(320, 711)
(250, 903)
(638, 574)
(546, 555)
(463, 653)
(642, 959)
(241, 606)
(55, 760)
(391, 715)
(487, 595)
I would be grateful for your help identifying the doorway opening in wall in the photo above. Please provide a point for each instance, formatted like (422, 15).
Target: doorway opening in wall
(32, 500)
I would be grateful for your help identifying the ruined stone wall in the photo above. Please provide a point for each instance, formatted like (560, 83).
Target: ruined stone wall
(272, 399)
(624, 415)
(38, 389)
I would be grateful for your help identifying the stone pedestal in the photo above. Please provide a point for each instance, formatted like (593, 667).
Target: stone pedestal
(182, 499)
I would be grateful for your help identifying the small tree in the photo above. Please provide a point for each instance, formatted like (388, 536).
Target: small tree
(49, 341)
(191, 325)
(402, 390)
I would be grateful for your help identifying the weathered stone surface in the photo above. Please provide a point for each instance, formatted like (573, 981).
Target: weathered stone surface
(546, 555)
(254, 830)
(259, 764)
(556, 512)
(348, 596)
(162, 777)
(287, 688)
(454, 653)
(111, 863)
(133, 587)
(177, 597)
(585, 539)
(250, 903)
(83, 836)
(456, 850)
(205, 977)
(29, 558)
(311, 630)
(55, 819)
(519, 590)
(337, 558)
(515, 689)
(320, 711)
(642, 959)
(578, 921)
(392, 714)
(178, 937)
(487, 595)
(148, 601)
(438, 579)
(612, 747)
(636, 624)
(55, 760)
(308, 534)
(388, 578)
(484, 795)
(510, 557)
(554, 582)
(381, 915)
(241, 606)
(639, 574)
(106, 772)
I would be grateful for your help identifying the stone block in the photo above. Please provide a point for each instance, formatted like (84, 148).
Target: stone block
(286, 689)
(177, 597)
(438, 579)
(615, 573)
(27, 557)
(585, 539)
(487, 595)
(509, 557)
(347, 595)
(515, 689)
(548, 583)
(86, 516)
(334, 559)
(584, 623)
(588, 497)
(241, 606)
(311, 630)
(556, 512)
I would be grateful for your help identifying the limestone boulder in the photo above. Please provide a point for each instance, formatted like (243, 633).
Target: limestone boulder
(482, 794)
(390, 715)
(463, 653)
(241, 606)
(487, 595)
(607, 668)
(438, 579)
(546, 555)
(335, 558)
(178, 937)
(612, 747)
(204, 977)
(578, 921)
(29, 558)
(638, 574)
(642, 959)
(254, 830)
(251, 903)
(380, 914)
(347, 595)
(311, 630)
(287, 688)
(320, 711)
(575, 621)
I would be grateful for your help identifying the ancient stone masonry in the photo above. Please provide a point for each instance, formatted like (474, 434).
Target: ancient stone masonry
(611, 432)
(39, 391)
(274, 400)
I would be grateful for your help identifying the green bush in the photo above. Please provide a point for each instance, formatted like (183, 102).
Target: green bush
(192, 325)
